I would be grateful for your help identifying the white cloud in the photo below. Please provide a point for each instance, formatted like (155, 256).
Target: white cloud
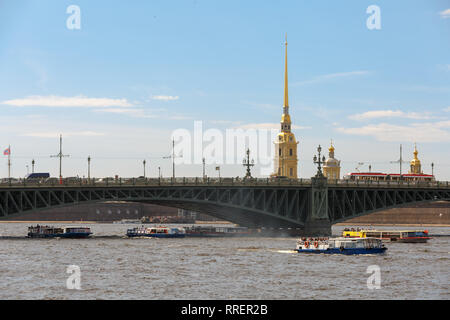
(65, 134)
(416, 132)
(447, 109)
(331, 76)
(165, 98)
(389, 114)
(67, 102)
(137, 113)
(445, 14)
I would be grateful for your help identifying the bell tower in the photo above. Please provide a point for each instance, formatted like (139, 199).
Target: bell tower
(286, 144)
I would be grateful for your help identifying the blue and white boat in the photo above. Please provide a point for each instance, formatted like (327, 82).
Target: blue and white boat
(57, 232)
(340, 245)
(156, 232)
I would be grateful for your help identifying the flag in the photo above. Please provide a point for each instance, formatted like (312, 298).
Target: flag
(7, 152)
(217, 168)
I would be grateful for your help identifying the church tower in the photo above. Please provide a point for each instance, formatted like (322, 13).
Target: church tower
(332, 166)
(415, 166)
(285, 144)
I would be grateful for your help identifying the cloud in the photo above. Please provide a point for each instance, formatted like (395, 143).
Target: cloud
(66, 102)
(417, 132)
(142, 113)
(268, 126)
(65, 134)
(330, 76)
(137, 113)
(447, 109)
(389, 114)
(165, 98)
(445, 14)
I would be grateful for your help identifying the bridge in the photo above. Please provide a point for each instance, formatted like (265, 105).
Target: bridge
(310, 205)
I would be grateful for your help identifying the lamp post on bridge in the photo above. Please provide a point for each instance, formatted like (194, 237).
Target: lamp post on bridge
(319, 161)
(248, 164)
(144, 162)
(89, 168)
(60, 155)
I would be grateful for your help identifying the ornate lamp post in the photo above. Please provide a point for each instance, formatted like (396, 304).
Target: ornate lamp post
(248, 164)
(319, 161)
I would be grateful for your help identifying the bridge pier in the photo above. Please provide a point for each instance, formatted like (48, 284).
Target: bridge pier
(318, 222)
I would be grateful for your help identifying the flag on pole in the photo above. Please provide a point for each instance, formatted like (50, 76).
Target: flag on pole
(7, 152)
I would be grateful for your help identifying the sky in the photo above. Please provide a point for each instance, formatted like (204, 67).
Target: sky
(118, 78)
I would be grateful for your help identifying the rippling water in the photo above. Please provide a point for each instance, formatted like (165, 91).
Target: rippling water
(213, 268)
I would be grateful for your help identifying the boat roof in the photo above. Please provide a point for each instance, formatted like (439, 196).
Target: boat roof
(374, 230)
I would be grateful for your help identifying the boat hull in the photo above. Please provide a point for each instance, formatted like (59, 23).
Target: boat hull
(154, 235)
(71, 235)
(349, 251)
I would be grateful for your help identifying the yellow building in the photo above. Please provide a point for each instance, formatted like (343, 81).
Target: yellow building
(332, 166)
(415, 166)
(285, 144)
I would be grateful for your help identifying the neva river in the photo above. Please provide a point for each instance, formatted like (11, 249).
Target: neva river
(213, 268)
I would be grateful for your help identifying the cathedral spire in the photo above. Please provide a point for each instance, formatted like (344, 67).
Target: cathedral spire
(286, 98)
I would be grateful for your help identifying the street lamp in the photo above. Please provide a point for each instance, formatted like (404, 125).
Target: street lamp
(248, 164)
(319, 162)
(89, 168)
(144, 162)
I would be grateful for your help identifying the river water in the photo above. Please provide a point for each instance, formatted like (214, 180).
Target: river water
(213, 268)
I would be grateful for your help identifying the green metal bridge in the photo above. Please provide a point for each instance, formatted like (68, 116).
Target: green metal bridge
(311, 205)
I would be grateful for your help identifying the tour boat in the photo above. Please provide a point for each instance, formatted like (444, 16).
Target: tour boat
(408, 236)
(57, 232)
(211, 231)
(340, 245)
(156, 232)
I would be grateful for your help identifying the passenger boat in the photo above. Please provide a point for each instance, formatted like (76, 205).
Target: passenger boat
(406, 236)
(156, 232)
(57, 232)
(340, 245)
(211, 231)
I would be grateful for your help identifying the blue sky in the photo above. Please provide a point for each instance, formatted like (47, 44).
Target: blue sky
(142, 70)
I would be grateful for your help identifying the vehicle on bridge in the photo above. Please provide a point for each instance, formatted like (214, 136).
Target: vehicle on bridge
(156, 232)
(39, 231)
(340, 245)
(37, 175)
(406, 236)
(379, 176)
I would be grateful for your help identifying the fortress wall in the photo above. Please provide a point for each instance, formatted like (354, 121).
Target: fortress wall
(437, 213)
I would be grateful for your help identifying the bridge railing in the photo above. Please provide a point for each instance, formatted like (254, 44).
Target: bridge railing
(200, 181)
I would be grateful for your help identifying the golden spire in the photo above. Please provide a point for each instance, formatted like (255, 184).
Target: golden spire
(415, 151)
(286, 99)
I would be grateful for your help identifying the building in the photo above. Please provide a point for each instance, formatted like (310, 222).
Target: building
(332, 166)
(415, 166)
(286, 144)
